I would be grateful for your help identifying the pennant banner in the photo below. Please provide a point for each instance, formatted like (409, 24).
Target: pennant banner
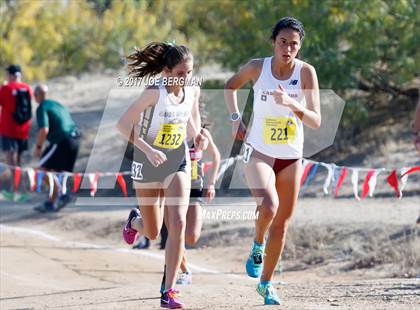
(64, 184)
(31, 176)
(16, 178)
(330, 177)
(311, 174)
(123, 185)
(372, 182)
(306, 168)
(355, 182)
(397, 179)
(77, 178)
(39, 177)
(392, 180)
(340, 179)
(411, 170)
(367, 183)
(50, 176)
(93, 180)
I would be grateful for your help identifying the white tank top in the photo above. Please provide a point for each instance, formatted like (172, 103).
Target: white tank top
(164, 125)
(276, 131)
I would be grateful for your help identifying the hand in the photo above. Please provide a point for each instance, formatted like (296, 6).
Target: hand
(238, 130)
(201, 142)
(210, 193)
(37, 152)
(281, 97)
(156, 157)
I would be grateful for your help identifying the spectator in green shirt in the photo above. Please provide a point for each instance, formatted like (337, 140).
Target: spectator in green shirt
(57, 127)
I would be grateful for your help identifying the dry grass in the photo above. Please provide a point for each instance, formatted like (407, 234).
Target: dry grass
(396, 247)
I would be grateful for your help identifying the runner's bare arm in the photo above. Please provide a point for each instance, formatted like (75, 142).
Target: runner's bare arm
(130, 119)
(215, 155)
(311, 115)
(249, 72)
(194, 122)
(195, 112)
(40, 140)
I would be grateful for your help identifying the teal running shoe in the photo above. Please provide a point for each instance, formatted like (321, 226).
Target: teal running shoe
(254, 263)
(268, 292)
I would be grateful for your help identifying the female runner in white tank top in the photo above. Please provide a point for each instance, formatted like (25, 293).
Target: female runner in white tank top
(158, 124)
(286, 96)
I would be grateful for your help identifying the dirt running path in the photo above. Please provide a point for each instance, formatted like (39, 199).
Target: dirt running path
(46, 263)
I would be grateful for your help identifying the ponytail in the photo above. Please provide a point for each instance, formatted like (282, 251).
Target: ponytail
(151, 60)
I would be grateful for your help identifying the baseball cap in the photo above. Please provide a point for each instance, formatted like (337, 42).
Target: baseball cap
(13, 69)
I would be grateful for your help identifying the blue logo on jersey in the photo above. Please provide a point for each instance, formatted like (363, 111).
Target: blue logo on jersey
(263, 97)
(293, 82)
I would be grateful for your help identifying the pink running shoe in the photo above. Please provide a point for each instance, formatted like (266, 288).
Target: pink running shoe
(129, 234)
(169, 300)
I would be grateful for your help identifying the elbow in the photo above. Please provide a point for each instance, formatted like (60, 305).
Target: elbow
(314, 123)
(44, 131)
(217, 160)
(122, 128)
(317, 123)
(229, 85)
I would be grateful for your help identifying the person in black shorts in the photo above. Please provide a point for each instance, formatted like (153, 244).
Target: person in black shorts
(198, 191)
(55, 125)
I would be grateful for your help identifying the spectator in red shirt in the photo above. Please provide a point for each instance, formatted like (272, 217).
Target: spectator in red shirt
(14, 135)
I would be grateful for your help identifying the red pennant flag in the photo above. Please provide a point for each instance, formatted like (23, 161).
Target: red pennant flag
(365, 190)
(17, 178)
(340, 180)
(305, 173)
(207, 165)
(411, 170)
(392, 180)
(77, 178)
(123, 185)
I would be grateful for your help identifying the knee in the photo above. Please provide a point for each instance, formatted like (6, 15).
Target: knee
(152, 234)
(268, 208)
(279, 227)
(177, 226)
(192, 238)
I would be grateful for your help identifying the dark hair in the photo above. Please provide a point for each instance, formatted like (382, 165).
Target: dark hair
(154, 57)
(288, 22)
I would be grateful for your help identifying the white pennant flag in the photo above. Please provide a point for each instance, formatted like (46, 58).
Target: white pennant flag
(372, 182)
(93, 180)
(50, 176)
(31, 177)
(64, 185)
(403, 179)
(355, 181)
(327, 183)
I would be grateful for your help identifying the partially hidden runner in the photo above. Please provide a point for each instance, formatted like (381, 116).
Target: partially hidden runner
(195, 213)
